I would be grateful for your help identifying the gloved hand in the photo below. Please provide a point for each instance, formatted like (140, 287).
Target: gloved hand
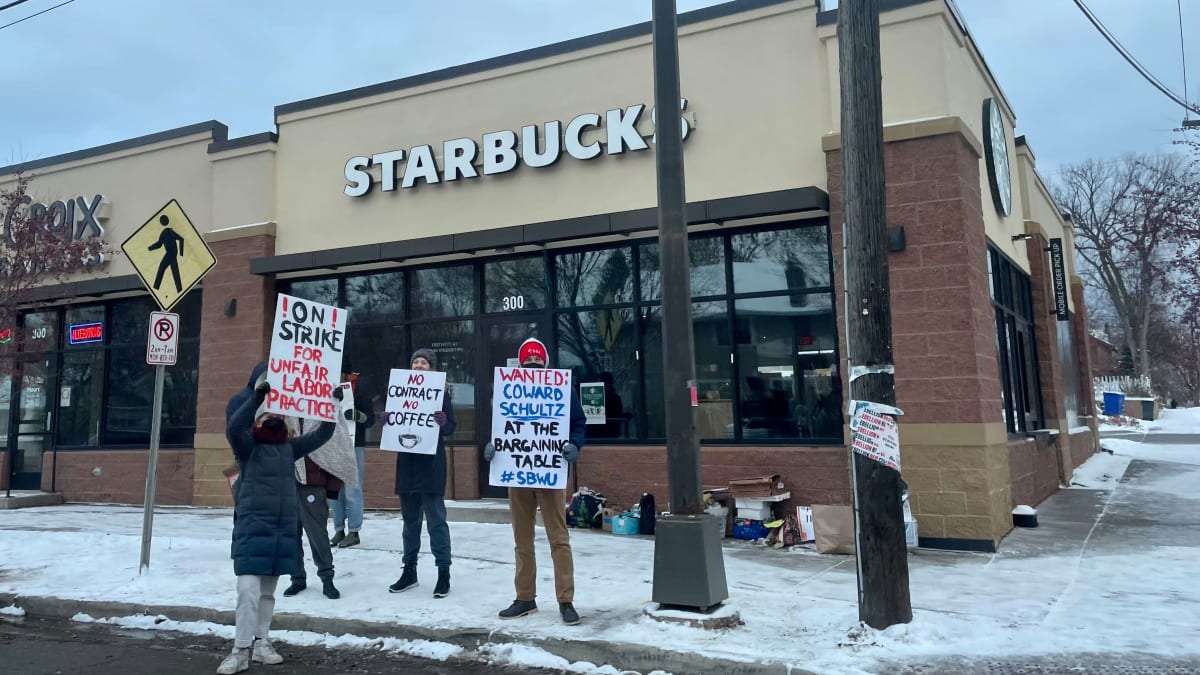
(338, 394)
(440, 418)
(489, 451)
(356, 416)
(570, 453)
(261, 389)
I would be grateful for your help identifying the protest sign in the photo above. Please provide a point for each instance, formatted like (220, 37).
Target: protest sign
(413, 396)
(306, 358)
(531, 420)
(876, 436)
(348, 404)
(591, 395)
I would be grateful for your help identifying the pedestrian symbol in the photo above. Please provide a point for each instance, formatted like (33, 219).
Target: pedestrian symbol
(169, 255)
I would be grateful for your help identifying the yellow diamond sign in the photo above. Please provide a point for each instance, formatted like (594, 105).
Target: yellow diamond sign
(169, 255)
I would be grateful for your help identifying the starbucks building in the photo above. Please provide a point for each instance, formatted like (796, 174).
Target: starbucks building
(468, 209)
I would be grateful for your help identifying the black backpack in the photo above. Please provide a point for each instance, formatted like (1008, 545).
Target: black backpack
(646, 514)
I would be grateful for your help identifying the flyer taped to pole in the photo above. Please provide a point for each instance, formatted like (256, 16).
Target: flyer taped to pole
(413, 396)
(306, 358)
(875, 433)
(531, 419)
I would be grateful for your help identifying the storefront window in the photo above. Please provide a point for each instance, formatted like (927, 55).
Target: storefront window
(372, 352)
(1014, 338)
(375, 297)
(777, 260)
(324, 291)
(81, 393)
(601, 346)
(706, 266)
(514, 285)
(454, 344)
(591, 278)
(41, 330)
(714, 371)
(443, 292)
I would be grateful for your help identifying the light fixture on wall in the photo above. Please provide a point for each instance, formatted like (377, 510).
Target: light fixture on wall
(1022, 237)
(231, 307)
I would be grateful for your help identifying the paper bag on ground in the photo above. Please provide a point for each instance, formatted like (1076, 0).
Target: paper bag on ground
(834, 527)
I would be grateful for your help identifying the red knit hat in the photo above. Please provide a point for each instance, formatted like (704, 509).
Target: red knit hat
(532, 347)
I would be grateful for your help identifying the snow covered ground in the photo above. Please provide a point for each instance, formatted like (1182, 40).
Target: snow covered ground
(1047, 592)
(1178, 421)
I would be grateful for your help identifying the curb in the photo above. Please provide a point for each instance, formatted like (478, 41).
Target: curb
(641, 658)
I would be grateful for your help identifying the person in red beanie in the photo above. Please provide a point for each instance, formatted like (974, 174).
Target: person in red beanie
(523, 504)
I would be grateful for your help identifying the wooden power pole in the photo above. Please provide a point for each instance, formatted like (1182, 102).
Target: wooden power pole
(883, 596)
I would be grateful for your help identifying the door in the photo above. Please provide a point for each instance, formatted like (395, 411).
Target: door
(502, 338)
(32, 422)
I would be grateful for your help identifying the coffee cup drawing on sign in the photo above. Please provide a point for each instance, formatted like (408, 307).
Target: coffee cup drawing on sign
(409, 441)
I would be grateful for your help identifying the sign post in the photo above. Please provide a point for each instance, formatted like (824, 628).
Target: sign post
(168, 249)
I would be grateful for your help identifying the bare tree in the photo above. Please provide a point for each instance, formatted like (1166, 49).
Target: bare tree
(1132, 235)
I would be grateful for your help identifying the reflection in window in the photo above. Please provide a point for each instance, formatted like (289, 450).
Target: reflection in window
(714, 375)
(787, 364)
(778, 260)
(443, 292)
(373, 350)
(375, 297)
(600, 346)
(1015, 344)
(81, 391)
(588, 278)
(515, 284)
(324, 291)
(130, 319)
(41, 330)
(706, 256)
(454, 344)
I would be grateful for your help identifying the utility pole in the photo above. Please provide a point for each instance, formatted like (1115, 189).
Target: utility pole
(689, 570)
(883, 595)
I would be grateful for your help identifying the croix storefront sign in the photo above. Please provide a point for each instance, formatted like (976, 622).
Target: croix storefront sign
(77, 218)
(536, 146)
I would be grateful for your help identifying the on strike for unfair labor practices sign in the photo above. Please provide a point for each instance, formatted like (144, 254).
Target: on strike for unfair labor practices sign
(306, 358)
(876, 436)
(531, 419)
(413, 396)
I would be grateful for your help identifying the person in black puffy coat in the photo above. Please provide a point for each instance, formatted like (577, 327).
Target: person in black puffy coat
(266, 516)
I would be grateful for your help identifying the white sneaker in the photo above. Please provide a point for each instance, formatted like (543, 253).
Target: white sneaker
(237, 661)
(265, 653)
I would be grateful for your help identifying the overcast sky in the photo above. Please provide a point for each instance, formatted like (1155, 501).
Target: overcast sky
(97, 71)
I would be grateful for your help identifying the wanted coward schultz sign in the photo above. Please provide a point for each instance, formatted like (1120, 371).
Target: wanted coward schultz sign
(306, 358)
(413, 397)
(531, 419)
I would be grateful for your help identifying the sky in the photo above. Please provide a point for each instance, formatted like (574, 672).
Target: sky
(98, 71)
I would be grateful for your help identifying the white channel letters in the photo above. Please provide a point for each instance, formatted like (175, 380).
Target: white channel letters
(502, 151)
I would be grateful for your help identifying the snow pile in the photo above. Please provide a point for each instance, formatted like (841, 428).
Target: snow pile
(12, 610)
(1177, 421)
(1101, 471)
(526, 656)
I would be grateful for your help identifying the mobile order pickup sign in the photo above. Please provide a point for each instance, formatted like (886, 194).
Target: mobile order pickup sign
(531, 419)
(306, 358)
(413, 396)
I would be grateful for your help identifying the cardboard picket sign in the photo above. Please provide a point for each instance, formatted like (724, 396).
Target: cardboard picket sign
(531, 423)
(306, 358)
(413, 396)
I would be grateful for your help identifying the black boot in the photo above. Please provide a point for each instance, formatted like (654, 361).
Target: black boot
(330, 590)
(569, 615)
(407, 580)
(518, 609)
(295, 588)
(442, 588)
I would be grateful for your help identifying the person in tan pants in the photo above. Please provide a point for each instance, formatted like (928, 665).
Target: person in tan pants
(523, 504)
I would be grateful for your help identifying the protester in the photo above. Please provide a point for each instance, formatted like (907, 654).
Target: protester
(421, 486)
(265, 516)
(348, 507)
(523, 504)
(320, 477)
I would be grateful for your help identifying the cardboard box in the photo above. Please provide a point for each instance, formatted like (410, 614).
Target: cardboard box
(761, 513)
(607, 519)
(762, 486)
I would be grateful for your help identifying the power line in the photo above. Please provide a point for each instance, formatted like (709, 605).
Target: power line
(1154, 81)
(36, 14)
(12, 4)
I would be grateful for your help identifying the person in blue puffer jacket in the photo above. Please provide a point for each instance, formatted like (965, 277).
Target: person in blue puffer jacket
(266, 515)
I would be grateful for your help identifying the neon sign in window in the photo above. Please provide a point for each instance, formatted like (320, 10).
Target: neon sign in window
(83, 333)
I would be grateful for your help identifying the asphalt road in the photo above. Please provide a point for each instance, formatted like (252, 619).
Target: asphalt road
(36, 647)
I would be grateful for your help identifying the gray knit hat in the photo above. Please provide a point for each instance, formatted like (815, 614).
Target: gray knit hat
(427, 354)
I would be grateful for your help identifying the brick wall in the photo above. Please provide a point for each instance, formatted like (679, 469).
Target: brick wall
(4, 474)
(1083, 446)
(119, 476)
(1045, 328)
(1034, 472)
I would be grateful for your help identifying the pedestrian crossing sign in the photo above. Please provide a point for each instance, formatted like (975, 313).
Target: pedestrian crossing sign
(169, 255)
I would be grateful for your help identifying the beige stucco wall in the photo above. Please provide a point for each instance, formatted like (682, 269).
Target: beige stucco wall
(243, 186)
(135, 183)
(751, 87)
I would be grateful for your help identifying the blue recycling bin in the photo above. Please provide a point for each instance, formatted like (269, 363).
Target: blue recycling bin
(1114, 403)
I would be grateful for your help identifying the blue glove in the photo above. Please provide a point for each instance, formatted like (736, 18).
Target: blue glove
(489, 451)
(571, 453)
